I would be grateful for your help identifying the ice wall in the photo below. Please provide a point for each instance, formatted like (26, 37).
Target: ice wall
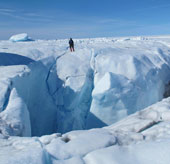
(127, 80)
(53, 104)
(73, 92)
(32, 88)
(15, 119)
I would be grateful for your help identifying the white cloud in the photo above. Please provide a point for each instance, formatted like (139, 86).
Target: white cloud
(25, 16)
(154, 7)
(7, 10)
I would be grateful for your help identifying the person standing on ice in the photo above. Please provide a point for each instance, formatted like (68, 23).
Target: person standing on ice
(71, 43)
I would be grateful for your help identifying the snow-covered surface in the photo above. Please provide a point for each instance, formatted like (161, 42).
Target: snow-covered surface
(46, 89)
(140, 138)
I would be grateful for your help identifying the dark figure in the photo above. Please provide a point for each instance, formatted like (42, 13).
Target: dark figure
(71, 43)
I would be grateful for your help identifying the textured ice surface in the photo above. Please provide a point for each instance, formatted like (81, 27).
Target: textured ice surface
(46, 89)
(103, 81)
(139, 138)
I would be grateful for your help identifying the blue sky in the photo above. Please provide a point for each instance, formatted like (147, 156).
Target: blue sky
(53, 19)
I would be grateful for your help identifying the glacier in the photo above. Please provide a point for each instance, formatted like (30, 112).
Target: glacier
(86, 106)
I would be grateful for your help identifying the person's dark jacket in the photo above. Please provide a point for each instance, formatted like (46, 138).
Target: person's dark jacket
(71, 43)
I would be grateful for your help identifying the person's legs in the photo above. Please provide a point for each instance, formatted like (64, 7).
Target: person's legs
(70, 48)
